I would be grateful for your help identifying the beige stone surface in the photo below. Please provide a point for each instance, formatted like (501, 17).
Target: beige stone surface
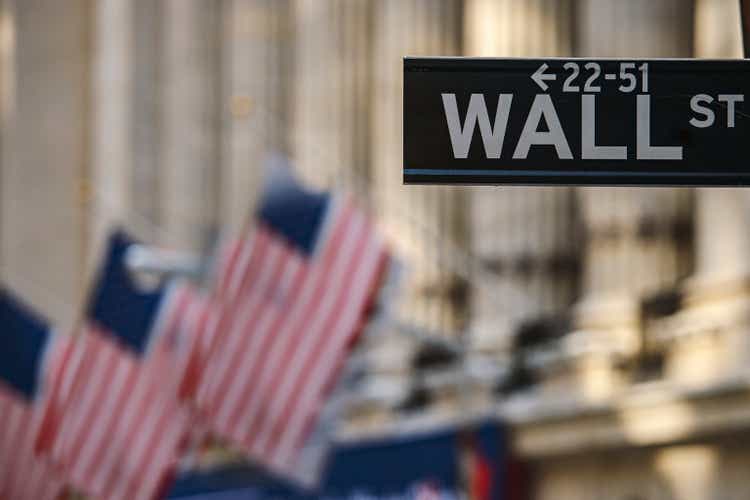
(45, 177)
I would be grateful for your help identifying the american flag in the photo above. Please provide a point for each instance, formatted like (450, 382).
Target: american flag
(29, 356)
(296, 292)
(158, 324)
(23, 474)
(120, 427)
(115, 432)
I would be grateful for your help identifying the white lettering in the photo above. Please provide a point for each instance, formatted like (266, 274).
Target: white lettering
(730, 99)
(644, 149)
(492, 135)
(589, 149)
(530, 136)
(697, 107)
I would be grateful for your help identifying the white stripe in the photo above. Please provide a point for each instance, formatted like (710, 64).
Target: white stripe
(142, 433)
(4, 441)
(106, 416)
(112, 443)
(238, 272)
(349, 319)
(123, 455)
(188, 338)
(333, 289)
(221, 365)
(222, 362)
(32, 475)
(335, 344)
(198, 336)
(166, 314)
(89, 421)
(12, 429)
(251, 330)
(298, 315)
(106, 473)
(205, 337)
(165, 455)
(46, 360)
(84, 413)
(63, 397)
(23, 465)
(336, 205)
(219, 271)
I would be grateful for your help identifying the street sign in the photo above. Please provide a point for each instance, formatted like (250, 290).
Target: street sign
(682, 122)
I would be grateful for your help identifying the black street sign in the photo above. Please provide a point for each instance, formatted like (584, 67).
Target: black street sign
(681, 122)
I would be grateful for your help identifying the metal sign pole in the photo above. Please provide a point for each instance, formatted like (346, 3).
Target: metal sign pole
(745, 14)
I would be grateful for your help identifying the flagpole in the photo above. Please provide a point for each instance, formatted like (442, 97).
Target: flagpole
(745, 19)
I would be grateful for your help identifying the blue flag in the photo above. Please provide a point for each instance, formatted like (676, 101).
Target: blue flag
(290, 210)
(117, 304)
(23, 338)
(420, 465)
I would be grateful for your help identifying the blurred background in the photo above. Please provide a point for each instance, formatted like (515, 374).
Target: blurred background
(609, 328)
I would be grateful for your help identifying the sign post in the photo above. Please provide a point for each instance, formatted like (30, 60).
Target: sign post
(680, 122)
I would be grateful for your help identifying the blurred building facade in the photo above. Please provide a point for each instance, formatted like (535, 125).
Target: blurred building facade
(607, 326)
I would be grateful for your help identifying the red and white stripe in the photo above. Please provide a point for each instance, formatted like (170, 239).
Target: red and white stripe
(291, 323)
(118, 433)
(178, 346)
(24, 475)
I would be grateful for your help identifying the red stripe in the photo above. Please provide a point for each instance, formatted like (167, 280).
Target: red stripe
(330, 340)
(149, 411)
(327, 373)
(309, 282)
(23, 475)
(245, 361)
(133, 433)
(116, 473)
(229, 256)
(195, 363)
(87, 418)
(214, 333)
(106, 420)
(173, 345)
(297, 358)
(239, 352)
(5, 410)
(275, 364)
(60, 363)
(323, 368)
(155, 450)
(15, 441)
(233, 344)
(253, 248)
(294, 326)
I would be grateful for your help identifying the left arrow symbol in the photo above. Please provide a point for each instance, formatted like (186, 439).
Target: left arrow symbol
(540, 76)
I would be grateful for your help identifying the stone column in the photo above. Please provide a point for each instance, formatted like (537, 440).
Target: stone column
(190, 155)
(722, 242)
(126, 132)
(146, 119)
(45, 154)
(112, 119)
(332, 83)
(427, 223)
(526, 234)
(693, 472)
(708, 339)
(254, 107)
(637, 240)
